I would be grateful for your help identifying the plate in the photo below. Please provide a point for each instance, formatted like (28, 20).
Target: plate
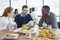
(47, 33)
(23, 31)
(10, 36)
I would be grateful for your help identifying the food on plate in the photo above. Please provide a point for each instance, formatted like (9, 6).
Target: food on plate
(46, 32)
(40, 39)
(35, 38)
(44, 39)
(24, 27)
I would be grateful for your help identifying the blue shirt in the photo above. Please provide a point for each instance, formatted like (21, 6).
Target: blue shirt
(20, 19)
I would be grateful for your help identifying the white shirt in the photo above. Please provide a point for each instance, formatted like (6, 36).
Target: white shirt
(4, 21)
(34, 16)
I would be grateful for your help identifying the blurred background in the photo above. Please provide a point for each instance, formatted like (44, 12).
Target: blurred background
(54, 6)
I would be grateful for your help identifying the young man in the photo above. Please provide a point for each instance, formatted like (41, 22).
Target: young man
(48, 17)
(23, 17)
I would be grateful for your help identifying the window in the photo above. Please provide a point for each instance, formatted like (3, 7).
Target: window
(18, 4)
(37, 4)
(3, 5)
(54, 6)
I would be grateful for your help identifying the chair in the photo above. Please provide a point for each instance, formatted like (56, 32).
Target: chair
(58, 24)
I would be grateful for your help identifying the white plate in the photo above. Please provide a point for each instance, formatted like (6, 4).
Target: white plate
(10, 36)
(23, 31)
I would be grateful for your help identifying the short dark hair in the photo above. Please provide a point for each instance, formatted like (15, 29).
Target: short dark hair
(25, 6)
(46, 7)
(16, 9)
(33, 9)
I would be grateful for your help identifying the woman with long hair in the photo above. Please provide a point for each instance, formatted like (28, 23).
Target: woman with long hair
(6, 19)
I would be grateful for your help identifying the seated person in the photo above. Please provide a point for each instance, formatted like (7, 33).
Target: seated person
(6, 19)
(15, 13)
(33, 14)
(48, 17)
(23, 17)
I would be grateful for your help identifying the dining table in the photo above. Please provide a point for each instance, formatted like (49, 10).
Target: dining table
(23, 37)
